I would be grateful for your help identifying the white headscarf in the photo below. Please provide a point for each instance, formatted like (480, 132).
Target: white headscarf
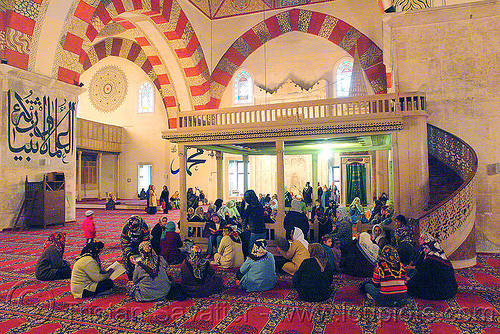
(299, 235)
(382, 233)
(369, 249)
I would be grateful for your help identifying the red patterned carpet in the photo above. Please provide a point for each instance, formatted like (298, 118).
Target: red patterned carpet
(31, 306)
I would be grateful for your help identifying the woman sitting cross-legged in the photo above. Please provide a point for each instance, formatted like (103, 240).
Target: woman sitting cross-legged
(213, 231)
(88, 278)
(258, 271)
(230, 252)
(198, 279)
(170, 244)
(387, 287)
(314, 277)
(151, 281)
(434, 277)
(50, 265)
(296, 253)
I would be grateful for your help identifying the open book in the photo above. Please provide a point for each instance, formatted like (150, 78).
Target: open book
(118, 268)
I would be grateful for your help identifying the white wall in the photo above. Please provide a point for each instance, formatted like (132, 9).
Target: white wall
(34, 165)
(142, 141)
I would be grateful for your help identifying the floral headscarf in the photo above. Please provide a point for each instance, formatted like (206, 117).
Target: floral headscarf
(259, 250)
(149, 261)
(56, 239)
(342, 213)
(135, 227)
(197, 261)
(318, 252)
(435, 251)
(389, 257)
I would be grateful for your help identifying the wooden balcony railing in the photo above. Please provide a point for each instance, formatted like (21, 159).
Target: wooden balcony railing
(303, 110)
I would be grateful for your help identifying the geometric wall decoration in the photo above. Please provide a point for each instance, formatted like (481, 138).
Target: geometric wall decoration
(108, 88)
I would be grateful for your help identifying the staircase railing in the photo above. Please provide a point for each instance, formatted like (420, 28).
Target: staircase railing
(451, 221)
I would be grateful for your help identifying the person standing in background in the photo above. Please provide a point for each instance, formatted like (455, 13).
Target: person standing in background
(164, 197)
(88, 226)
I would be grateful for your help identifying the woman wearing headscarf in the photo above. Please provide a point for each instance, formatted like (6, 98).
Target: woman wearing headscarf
(378, 236)
(164, 199)
(50, 265)
(170, 244)
(198, 279)
(360, 257)
(258, 271)
(230, 253)
(198, 216)
(434, 276)
(342, 231)
(314, 277)
(296, 253)
(150, 279)
(403, 240)
(387, 286)
(151, 200)
(218, 203)
(88, 278)
(134, 232)
(252, 214)
(296, 218)
(232, 209)
(357, 212)
(176, 199)
(213, 231)
(192, 199)
(156, 233)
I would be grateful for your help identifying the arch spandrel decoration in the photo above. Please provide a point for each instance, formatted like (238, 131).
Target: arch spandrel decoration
(319, 24)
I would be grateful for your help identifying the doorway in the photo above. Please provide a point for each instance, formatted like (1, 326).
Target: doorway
(144, 178)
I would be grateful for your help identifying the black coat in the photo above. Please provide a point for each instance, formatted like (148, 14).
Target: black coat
(296, 219)
(433, 280)
(312, 284)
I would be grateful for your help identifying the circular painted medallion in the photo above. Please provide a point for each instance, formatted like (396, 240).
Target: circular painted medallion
(108, 88)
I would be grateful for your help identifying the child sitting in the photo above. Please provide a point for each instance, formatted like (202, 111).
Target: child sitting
(333, 258)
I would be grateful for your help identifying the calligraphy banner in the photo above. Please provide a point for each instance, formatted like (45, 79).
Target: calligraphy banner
(40, 125)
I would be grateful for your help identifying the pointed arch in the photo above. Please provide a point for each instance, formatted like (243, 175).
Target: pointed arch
(90, 17)
(133, 52)
(319, 24)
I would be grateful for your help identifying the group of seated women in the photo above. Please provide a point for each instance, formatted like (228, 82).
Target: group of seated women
(396, 269)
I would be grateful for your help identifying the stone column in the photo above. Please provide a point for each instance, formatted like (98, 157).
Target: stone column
(99, 174)
(117, 178)
(245, 172)
(79, 180)
(413, 166)
(182, 189)
(314, 184)
(220, 174)
(280, 188)
(382, 172)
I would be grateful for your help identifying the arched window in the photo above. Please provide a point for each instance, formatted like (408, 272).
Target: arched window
(146, 98)
(243, 88)
(344, 72)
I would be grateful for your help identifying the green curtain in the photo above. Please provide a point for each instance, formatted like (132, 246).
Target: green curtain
(356, 182)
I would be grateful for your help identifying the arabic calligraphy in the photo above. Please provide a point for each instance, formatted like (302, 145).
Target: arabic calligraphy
(190, 163)
(40, 125)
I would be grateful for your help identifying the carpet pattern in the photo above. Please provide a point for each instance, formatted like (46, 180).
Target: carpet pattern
(31, 306)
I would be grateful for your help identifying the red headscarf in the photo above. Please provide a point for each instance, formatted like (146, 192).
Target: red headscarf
(56, 239)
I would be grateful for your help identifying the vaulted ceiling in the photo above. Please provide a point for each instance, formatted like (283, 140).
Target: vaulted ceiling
(217, 9)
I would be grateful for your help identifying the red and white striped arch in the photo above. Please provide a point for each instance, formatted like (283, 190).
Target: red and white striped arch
(319, 24)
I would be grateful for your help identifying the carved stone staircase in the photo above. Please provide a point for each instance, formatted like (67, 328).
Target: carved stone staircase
(443, 181)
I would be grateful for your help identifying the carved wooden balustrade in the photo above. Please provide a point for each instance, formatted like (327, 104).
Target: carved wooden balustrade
(452, 221)
(302, 111)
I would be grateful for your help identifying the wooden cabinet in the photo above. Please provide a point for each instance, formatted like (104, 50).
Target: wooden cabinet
(47, 201)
